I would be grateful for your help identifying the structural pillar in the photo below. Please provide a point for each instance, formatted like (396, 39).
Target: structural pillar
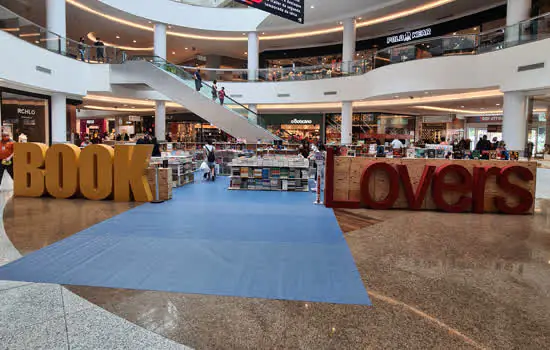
(160, 106)
(514, 121)
(59, 118)
(253, 114)
(348, 47)
(253, 55)
(56, 25)
(346, 129)
(516, 11)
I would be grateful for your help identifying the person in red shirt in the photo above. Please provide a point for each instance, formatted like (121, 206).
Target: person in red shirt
(221, 95)
(6, 155)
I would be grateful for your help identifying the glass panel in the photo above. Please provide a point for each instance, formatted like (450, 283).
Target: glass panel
(204, 89)
(34, 34)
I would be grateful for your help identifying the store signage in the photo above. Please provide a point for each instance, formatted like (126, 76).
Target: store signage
(290, 9)
(408, 36)
(301, 121)
(96, 172)
(469, 190)
(24, 111)
(90, 121)
(485, 119)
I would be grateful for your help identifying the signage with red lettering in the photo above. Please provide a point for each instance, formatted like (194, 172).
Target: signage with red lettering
(451, 186)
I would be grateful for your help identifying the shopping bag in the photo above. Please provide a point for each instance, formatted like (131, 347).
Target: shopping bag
(7, 183)
(204, 167)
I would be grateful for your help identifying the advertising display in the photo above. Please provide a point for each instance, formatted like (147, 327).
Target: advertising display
(455, 186)
(96, 172)
(408, 36)
(289, 9)
(24, 114)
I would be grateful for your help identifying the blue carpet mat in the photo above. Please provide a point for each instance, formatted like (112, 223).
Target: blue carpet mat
(208, 240)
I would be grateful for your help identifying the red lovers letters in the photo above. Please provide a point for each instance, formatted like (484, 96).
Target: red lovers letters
(471, 188)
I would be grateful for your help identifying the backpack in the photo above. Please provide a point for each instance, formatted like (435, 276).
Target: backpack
(210, 155)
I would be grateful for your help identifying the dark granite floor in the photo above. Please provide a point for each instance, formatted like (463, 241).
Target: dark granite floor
(436, 281)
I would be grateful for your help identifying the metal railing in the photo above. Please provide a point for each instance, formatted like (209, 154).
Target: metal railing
(34, 34)
(204, 88)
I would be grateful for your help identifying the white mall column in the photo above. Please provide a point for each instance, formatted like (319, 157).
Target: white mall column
(160, 106)
(516, 11)
(253, 115)
(160, 120)
(59, 118)
(514, 121)
(253, 55)
(348, 47)
(56, 24)
(347, 124)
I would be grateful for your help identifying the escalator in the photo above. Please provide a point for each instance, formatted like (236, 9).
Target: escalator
(179, 85)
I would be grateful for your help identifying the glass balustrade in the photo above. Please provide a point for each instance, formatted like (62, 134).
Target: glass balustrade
(211, 3)
(36, 35)
(205, 88)
(534, 29)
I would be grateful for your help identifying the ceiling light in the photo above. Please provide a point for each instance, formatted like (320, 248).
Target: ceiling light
(246, 53)
(396, 96)
(187, 48)
(173, 52)
(93, 38)
(427, 6)
(37, 41)
(169, 27)
(340, 23)
(134, 41)
(150, 22)
(263, 33)
(312, 6)
(461, 106)
(118, 37)
(426, 92)
(359, 18)
(498, 104)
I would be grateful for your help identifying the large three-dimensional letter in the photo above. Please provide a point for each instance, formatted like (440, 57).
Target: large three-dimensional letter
(130, 178)
(62, 170)
(524, 196)
(416, 200)
(96, 171)
(478, 192)
(393, 193)
(463, 186)
(28, 172)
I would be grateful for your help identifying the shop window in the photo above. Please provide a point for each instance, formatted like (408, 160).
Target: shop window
(25, 114)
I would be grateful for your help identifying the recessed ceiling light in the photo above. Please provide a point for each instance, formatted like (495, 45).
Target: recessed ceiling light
(125, 105)
(173, 52)
(118, 37)
(498, 104)
(482, 108)
(312, 6)
(359, 18)
(396, 96)
(246, 53)
(263, 33)
(426, 92)
(340, 22)
(461, 106)
(135, 41)
(37, 41)
(186, 48)
(150, 22)
(244, 33)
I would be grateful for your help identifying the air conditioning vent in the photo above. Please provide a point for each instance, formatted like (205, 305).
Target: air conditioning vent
(236, 95)
(283, 95)
(531, 67)
(327, 93)
(43, 70)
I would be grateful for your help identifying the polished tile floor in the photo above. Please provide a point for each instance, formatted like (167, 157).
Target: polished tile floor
(436, 281)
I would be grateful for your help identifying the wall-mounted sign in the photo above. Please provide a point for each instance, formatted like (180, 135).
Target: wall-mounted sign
(485, 119)
(408, 36)
(301, 121)
(26, 111)
(290, 9)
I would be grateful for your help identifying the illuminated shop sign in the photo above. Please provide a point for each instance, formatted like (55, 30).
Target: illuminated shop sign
(289, 9)
(301, 121)
(408, 36)
(24, 111)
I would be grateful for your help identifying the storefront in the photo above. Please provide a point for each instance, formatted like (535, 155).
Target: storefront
(370, 126)
(92, 126)
(431, 129)
(294, 127)
(190, 128)
(25, 113)
(479, 126)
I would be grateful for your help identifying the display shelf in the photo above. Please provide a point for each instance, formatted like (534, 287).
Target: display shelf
(261, 189)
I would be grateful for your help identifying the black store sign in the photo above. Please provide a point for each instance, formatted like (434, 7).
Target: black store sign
(290, 9)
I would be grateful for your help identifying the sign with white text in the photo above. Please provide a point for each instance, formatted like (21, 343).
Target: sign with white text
(289, 9)
(408, 36)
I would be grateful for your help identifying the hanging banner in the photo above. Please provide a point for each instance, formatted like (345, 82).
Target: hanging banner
(289, 9)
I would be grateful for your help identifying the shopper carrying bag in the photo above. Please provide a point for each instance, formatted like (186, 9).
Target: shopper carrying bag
(209, 150)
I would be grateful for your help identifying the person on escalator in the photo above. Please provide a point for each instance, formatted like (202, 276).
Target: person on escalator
(221, 95)
(198, 79)
(214, 90)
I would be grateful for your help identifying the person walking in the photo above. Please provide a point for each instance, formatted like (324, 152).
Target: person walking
(82, 48)
(198, 79)
(156, 148)
(100, 50)
(221, 95)
(214, 90)
(209, 151)
(6, 155)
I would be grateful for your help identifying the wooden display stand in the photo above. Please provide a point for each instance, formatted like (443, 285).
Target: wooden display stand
(165, 182)
(346, 184)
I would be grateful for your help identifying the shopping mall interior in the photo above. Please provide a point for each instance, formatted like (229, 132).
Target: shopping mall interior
(274, 174)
